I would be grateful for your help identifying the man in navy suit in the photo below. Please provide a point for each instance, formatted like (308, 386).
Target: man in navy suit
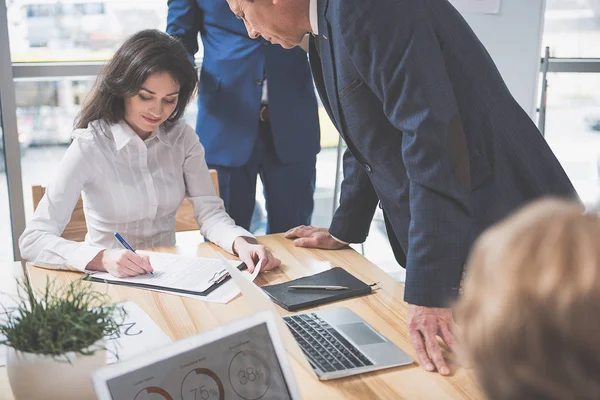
(257, 114)
(433, 135)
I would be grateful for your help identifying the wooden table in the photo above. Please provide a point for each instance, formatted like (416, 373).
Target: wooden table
(385, 310)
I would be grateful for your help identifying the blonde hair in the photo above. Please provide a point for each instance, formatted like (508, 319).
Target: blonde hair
(529, 319)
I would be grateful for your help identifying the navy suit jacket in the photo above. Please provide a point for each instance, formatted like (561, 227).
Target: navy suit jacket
(230, 86)
(432, 132)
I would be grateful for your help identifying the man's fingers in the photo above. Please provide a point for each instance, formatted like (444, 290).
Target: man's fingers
(299, 232)
(291, 233)
(295, 232)
(448, 336)
(307, 242)
(419, 345)
(435, 352)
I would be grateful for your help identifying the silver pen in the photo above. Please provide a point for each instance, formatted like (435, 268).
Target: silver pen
(318, 287)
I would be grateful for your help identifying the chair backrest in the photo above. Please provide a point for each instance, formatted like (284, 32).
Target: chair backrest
(76, 229)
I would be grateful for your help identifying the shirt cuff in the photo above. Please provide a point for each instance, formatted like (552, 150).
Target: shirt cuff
(340, 241)
(81, 257)
(227, 245)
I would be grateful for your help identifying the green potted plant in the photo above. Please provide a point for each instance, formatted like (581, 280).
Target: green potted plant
(55, 340)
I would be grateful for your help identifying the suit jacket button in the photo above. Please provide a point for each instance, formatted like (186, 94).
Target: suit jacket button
(258, 82)
(368, 167)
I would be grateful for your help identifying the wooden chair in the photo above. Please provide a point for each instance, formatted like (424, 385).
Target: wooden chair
(76, 229)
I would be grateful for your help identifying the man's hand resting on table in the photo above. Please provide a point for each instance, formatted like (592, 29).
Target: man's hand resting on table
(424, 324)
(120, 263)
(309, 236)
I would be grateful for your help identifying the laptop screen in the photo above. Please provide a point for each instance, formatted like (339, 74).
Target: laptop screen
(242, 365)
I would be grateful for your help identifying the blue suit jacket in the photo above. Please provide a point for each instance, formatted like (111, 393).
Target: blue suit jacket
(432, 132)
(231, 86)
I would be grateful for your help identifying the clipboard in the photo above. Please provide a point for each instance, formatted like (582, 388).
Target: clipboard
(217, 281)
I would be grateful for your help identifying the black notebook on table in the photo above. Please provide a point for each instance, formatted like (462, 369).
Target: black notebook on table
(297, 299)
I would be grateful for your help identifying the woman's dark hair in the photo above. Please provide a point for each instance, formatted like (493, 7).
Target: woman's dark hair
(144, 53)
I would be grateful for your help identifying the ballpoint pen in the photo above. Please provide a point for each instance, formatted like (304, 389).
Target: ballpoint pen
(125, 244)
(318, 287)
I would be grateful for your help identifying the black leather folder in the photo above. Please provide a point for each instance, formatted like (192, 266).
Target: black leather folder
(297, 299)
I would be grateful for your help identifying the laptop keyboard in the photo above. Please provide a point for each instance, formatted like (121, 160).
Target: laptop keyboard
(324, 346)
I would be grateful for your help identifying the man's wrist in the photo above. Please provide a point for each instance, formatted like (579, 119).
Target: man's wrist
(339, 240)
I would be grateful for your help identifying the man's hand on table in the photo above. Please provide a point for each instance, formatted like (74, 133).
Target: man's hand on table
(309, 236)
(424, 324)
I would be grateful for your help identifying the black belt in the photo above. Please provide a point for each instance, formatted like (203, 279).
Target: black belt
(264, 112)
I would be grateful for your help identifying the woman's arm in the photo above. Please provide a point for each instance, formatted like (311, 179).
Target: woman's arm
(214, 222)
(41, 243)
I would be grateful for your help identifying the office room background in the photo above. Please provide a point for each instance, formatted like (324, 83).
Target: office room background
(50, 51)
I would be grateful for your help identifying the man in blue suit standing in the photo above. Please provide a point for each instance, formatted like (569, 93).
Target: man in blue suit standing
(257, 114)
(433, 135)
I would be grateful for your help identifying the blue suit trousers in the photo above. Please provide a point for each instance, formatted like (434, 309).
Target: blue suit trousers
(289, 187)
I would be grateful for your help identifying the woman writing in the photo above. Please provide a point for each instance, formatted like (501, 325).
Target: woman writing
(133, 161)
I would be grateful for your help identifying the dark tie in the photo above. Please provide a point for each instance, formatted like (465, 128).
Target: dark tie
(315, 40)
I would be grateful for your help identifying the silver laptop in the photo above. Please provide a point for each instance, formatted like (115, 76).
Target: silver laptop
(336, 341)
(244, 359)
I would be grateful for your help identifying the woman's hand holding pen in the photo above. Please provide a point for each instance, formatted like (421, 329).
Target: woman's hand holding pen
(250, 252)
(120, 263)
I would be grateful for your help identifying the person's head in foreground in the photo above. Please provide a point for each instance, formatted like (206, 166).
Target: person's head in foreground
(530, 314)
(148, 81)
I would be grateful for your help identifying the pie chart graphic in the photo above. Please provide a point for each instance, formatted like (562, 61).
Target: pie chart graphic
(202, 384)
(153, 393)
(249, 375)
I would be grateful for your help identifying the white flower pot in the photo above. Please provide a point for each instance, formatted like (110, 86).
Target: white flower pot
(40, 377)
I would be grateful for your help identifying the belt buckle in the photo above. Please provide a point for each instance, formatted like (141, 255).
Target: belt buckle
(264, 113)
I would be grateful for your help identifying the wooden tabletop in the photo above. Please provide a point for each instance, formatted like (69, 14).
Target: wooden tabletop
(385, 310)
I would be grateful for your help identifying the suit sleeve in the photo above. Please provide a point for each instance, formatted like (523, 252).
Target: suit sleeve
(397, 52)
(184, 21)
(358, 200)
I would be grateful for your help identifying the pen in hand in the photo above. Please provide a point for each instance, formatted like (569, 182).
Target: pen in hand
(126, 245)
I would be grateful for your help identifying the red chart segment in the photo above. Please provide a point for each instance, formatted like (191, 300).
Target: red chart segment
(153, 393)
(202, 384)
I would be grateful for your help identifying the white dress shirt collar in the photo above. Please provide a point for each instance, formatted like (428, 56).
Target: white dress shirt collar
(123, 133)
(314, 17)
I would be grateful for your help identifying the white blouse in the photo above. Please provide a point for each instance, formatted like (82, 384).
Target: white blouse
(130, 186)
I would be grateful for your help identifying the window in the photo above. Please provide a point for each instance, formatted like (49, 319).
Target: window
(76, 30)
(6, 250)
(572, 28)
(573, 129)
